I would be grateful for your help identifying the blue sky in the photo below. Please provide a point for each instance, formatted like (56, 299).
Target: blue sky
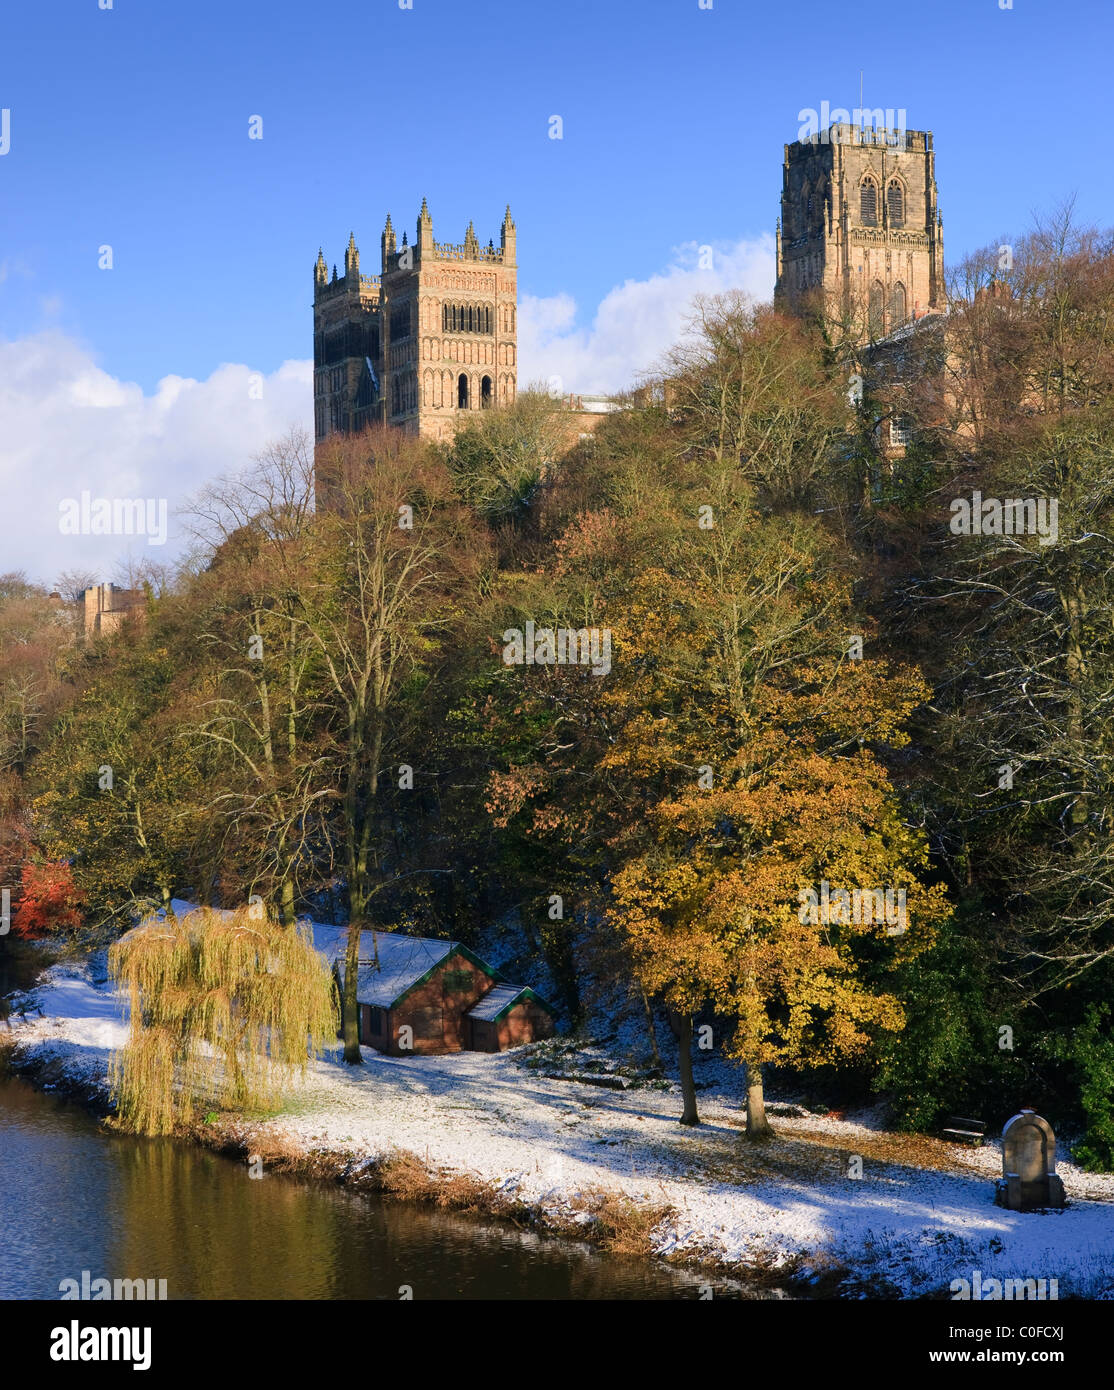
(129, 127)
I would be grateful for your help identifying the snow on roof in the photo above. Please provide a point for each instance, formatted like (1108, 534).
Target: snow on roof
(402, 960)
(497, 1001)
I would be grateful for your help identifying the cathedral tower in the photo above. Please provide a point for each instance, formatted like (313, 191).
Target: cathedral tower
(431, 337)
(860, 237)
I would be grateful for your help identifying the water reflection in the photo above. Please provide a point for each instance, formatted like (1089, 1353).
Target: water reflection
(74, 1198)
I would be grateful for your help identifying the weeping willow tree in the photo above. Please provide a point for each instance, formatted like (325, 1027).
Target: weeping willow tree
(226, 1008)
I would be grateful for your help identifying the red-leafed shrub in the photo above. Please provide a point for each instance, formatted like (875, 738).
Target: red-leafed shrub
(48, 900)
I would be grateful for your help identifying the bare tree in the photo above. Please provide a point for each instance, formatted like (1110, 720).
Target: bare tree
(396, 550)
(71, 584)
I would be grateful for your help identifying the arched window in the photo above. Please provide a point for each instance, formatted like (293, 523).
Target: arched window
(869, 204)
(462, 392)
(895, 204)
(485, 393)
(877, 301)
(897, 306)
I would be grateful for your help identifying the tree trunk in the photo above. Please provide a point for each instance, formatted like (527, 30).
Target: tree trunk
(682, 1025)
(650, 1028)
(1075, 607)
(758, 1127)
(350, 1010)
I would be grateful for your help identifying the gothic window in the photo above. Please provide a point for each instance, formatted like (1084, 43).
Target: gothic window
(462, 392)
(897, 305)
(485, 393)
(901, 431)
(895, 204)
(468, 318)
(367, 395)
(400, 323)
(869, 204)
(877, 300)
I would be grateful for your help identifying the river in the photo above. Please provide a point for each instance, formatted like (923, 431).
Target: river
(76, 1197)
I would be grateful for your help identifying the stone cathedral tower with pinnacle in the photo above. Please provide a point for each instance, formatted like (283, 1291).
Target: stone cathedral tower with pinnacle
(430, 338)
(860, 237)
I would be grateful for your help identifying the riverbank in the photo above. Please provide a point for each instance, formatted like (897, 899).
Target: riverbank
(493, 1133)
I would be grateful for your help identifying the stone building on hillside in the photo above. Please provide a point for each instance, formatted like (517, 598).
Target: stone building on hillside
(860, 237)
(432, 336)
(107, 608)
(860, 242)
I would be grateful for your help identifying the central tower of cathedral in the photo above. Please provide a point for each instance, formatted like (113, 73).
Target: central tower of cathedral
(430, 338)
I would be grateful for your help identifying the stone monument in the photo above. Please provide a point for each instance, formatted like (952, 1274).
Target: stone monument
(1028, 1180)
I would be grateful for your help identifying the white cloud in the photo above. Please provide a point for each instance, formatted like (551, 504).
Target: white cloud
(637, 320)
(67, 426)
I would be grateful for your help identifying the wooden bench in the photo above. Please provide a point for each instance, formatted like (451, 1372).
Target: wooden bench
(961, 1130)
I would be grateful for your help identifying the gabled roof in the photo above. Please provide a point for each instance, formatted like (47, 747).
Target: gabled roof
(404, 962)
(500, 1000)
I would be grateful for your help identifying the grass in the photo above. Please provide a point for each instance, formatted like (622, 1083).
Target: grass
(621, 1225)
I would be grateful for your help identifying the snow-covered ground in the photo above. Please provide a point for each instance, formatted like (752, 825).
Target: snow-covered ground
(921, 1214)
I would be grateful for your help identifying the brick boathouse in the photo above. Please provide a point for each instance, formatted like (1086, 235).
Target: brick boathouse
(451, 999)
